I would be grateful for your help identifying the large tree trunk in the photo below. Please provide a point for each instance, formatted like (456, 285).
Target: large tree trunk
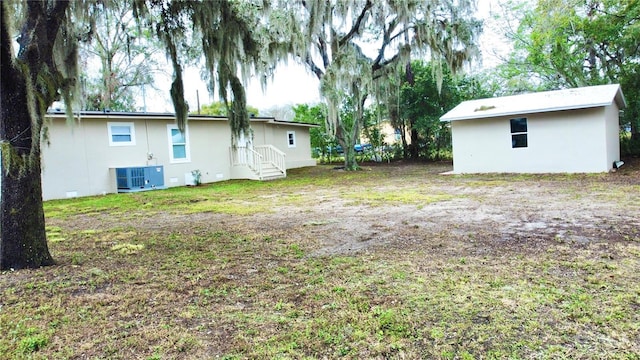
(23, 241)
(413, 147)
(350, 162)
(24, 100)
(344, 138)
(403, 138)
(348, 134)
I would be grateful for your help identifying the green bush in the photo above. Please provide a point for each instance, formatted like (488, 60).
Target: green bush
(629, 146)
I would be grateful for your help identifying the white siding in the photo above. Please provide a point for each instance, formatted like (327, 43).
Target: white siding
(612, 134)
(564, 141)
(209, 143)
(81, 162)
(276, 135)
(75, 163)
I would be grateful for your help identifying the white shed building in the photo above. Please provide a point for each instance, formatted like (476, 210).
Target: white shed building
(563, 131)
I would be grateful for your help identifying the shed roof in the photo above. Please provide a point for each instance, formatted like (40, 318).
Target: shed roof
(558, 100)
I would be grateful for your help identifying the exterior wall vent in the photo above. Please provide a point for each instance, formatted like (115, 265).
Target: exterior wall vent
(132, 179)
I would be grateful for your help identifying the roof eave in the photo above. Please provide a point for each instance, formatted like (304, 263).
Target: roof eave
(112, 115)
(295, 123)
(619, 99)
(512, 113)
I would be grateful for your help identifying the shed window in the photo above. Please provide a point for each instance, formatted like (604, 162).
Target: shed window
(291, 138)
(519, 132)
(121, 134)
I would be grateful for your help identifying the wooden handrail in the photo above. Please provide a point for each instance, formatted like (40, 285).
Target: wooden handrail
(274, 156)
(242, 155)
(255, 157)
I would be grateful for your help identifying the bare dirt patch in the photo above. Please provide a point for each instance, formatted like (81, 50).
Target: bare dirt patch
(492, 212)
(489, 212)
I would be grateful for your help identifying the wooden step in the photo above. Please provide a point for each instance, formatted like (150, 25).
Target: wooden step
(270, 172)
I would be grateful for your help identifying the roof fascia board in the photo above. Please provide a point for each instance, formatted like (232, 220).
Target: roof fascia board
(98, 115)
(293, 123)
(512, 113)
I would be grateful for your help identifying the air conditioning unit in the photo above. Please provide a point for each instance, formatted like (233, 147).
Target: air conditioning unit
(131, 179)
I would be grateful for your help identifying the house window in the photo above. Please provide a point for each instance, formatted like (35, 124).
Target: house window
(519, 132)
(121, 134)
(178, 144)
(291, 138)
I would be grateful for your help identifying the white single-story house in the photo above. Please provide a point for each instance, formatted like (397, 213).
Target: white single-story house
(563, 131)
(108, 152)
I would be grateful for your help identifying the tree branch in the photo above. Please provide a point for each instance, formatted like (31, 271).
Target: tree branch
(379, 65)
(54, 18)
(314, 68)
(322, 47)
(356, 27)
(387, 39)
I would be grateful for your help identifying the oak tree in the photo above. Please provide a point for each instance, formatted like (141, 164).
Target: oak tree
(358, 49)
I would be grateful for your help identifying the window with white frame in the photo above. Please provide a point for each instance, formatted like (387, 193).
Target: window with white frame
(121, 133)
(178, 144)
(291, 138)
(519, 133)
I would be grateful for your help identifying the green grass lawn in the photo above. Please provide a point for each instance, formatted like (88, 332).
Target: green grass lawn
(237, 270)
